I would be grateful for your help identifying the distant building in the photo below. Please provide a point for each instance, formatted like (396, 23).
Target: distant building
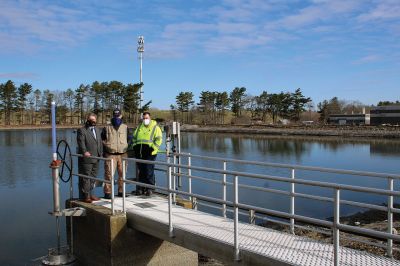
(353, 119)
(389, 114)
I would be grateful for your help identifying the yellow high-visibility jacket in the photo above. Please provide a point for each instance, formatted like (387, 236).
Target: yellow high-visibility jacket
(150, 135)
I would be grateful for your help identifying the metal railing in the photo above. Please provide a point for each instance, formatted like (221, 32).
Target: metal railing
(111, 182)
(335, 225)
(173, 170)
(390, 178)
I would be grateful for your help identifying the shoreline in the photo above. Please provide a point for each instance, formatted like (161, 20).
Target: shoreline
(277, 131)
(304, 131)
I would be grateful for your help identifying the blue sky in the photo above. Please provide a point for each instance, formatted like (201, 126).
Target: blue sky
(349, 49)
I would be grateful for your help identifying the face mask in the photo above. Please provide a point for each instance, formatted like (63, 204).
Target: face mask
(90, 123)
(146, 122)
(116, 121)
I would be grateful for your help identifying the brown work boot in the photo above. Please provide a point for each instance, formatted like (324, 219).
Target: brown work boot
(94, 198)
(87, 200)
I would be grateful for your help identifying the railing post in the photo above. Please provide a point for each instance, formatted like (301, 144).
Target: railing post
(236, 218)
(123, 184)
(71, 221)
(171, 229)
(252, 216)
(336, 221)
(112, 187)
(389, 250)
(224, 191)
(174, 178)
(189, 158)
(292, 203)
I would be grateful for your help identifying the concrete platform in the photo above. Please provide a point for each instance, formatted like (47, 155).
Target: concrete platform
(212, 236)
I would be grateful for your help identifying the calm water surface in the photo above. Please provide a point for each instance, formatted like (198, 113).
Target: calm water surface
(26, 230)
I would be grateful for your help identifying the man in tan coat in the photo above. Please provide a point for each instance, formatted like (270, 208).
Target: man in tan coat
(115, 144)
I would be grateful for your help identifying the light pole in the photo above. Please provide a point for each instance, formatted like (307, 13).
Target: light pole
(140, 50)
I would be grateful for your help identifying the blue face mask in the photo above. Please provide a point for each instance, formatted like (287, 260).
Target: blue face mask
(116, 121)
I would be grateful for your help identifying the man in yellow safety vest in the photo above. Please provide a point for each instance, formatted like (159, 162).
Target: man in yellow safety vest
(146, 141)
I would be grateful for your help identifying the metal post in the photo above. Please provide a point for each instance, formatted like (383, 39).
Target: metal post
(71, 221)
(236, 218)
(123, 184)
(112, 187)
(174, 179)
(171, 229)
(292, 203)
(389, 250)
(336, 221)
(252, 216)
(54, 171)
(178, 149)
(224, 191)
(189, 158)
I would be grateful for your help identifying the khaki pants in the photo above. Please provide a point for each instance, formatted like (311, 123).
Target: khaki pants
(117, 163)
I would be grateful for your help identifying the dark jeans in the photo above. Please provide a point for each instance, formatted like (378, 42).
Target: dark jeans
(86, 185)
(146, 172)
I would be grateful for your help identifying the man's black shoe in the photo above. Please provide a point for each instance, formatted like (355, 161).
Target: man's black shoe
(138, 192)
(119, 194)
(107, 196)
(149, 193)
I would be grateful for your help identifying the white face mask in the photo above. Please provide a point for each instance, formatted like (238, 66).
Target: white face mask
(146, 122)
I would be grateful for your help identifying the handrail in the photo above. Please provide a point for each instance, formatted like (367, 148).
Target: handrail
(276, 178)
(294, 166)
(335, 225)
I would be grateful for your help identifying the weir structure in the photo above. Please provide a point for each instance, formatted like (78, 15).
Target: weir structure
(157, 230)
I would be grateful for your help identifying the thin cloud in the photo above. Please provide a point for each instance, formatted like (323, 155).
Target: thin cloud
(385, 10)
(367, 59)
(50, 25)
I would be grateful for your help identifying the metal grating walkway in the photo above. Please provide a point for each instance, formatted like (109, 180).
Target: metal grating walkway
(279, 246)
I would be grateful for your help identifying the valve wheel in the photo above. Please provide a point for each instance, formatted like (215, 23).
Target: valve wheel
(64, 154)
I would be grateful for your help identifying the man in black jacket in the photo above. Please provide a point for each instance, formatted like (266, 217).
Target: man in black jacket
(89, 144)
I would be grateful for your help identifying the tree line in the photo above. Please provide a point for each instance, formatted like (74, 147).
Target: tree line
(213, 106)
(24, 105)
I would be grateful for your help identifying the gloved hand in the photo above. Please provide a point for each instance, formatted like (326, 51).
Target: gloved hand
(154, 152)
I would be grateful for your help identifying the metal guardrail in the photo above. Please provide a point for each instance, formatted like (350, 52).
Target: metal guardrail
(335, 225)
(173, 170)
(111, 182)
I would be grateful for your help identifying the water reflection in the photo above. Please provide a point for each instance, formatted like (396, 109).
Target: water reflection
(387, 148)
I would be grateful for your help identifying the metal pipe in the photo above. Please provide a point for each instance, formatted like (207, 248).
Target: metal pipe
(200, 178)
(336, 232)
(299, 167)
(53, 131)
(252, 217)
(224, 190)
(112, 187)
(93, 178)
(123, 185)
(174, 178)
(292, 203)
(236, 218)
(189, 170)
(58, 235)
(171, 229)
(389, 249)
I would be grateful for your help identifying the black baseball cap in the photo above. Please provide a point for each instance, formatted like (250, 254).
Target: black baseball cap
(116, 112)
